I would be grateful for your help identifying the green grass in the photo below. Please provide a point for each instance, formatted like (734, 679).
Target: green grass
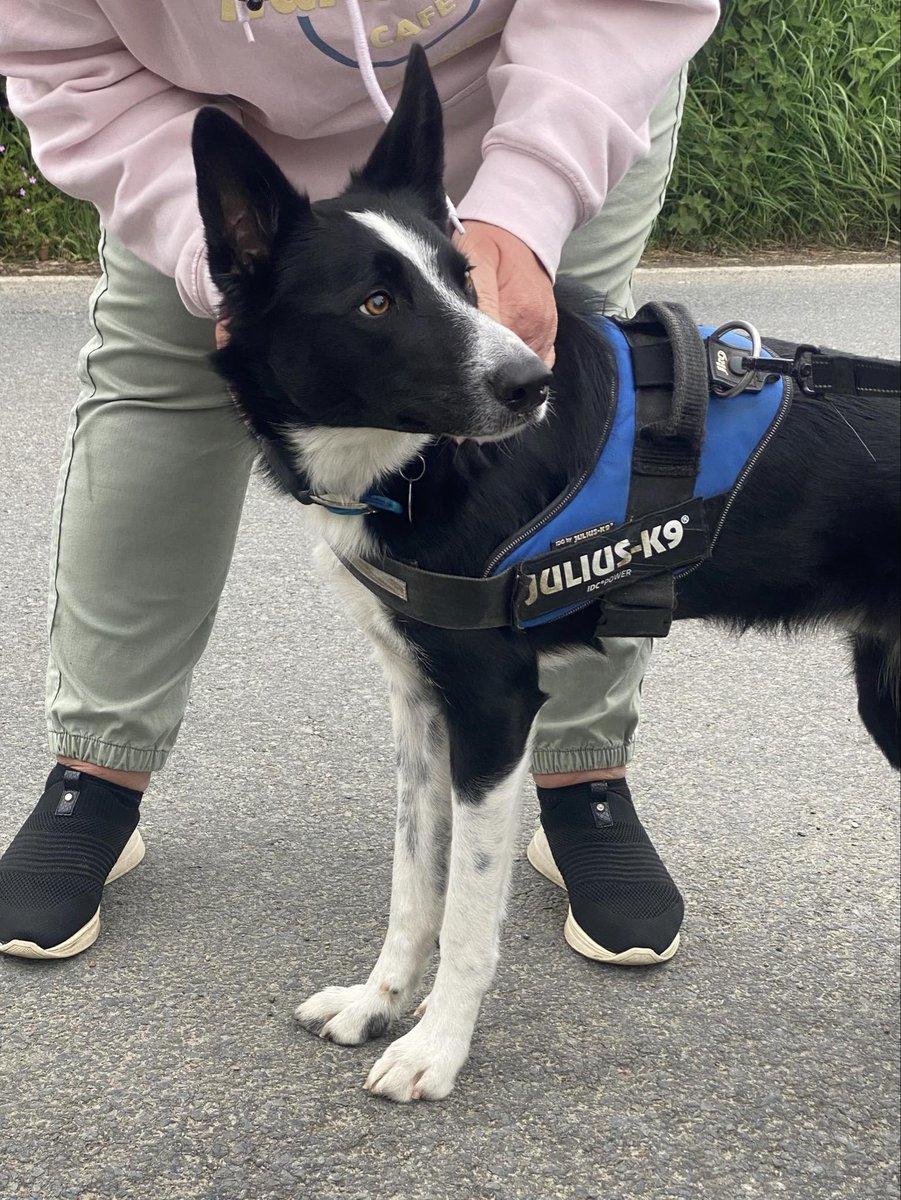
(791, 131)
(37, 220)
(790, 139)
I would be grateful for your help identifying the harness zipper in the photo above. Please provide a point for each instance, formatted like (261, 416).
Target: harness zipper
(746, 471)
(548, 515)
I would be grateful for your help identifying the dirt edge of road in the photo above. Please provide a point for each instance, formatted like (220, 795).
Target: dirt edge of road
(811, 257)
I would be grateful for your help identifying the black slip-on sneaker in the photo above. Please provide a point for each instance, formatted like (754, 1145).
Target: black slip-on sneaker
(81, 835)
(624, 908)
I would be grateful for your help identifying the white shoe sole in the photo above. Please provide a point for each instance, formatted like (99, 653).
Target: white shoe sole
(87, 935)
(540, 856)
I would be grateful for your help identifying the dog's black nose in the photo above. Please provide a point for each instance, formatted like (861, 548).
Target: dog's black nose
(522, 386)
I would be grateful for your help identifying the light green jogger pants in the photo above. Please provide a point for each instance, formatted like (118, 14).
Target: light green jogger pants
(151, 489)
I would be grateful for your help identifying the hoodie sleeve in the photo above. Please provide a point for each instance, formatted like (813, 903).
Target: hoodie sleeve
(573, 84)
(86, 100)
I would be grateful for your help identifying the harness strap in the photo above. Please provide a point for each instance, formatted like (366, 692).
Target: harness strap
(817, 372)
(652, 364)
(672, 392)
(446, 601)
(849, 375)
(642, 593)
(825, 373)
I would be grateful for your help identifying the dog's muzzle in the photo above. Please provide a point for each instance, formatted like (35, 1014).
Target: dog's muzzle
(522, 387)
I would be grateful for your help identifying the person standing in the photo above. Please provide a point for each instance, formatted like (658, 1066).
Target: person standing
(561, 122)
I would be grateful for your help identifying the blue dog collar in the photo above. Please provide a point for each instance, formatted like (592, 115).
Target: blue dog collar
(369, 502)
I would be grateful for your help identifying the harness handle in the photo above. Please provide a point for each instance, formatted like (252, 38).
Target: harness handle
(670, 421)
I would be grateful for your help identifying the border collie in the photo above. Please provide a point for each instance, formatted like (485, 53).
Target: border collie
(357, 348)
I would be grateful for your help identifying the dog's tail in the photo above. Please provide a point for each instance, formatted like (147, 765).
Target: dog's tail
(877, 670)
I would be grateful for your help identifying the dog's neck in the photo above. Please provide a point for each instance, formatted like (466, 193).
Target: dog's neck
(344, 464)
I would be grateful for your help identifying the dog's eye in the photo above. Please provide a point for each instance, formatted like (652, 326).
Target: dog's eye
(470, 288)
(376, 305)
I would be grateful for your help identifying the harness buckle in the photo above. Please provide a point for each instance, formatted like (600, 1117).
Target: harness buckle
(800, 368)
(623, 620)
(726, 364)
(644, 609)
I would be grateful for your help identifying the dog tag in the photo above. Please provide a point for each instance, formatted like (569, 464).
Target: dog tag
(411, 479)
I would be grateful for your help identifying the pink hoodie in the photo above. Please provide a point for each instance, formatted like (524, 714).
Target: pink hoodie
(546, 102)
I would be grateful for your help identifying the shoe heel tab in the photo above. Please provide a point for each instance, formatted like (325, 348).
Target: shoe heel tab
(70, 794)
(600, 806)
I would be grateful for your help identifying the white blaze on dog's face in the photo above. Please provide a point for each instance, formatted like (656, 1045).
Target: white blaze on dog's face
(501, 368)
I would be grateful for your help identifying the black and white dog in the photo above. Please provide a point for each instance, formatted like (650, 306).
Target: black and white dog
(356, 346)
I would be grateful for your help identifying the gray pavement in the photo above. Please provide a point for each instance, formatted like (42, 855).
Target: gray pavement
(164, 1063)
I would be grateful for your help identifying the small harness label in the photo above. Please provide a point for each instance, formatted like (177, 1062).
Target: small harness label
(582, 536)
(658, 542)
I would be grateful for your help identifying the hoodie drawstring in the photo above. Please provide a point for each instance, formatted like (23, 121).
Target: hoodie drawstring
(367, 71)
(364, 62)
(244, 19)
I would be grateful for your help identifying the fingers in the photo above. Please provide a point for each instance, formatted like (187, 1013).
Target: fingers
(536, 324)
(484, 259)
(484, 277)
(512, 285)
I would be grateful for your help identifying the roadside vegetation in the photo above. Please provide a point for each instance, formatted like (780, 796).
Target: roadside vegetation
(790, 139)
(791, 132)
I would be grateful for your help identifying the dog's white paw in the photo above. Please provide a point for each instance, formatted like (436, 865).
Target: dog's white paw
(350, 1015)
(421, 1065)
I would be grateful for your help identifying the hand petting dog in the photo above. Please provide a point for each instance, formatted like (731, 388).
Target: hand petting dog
(512, 285)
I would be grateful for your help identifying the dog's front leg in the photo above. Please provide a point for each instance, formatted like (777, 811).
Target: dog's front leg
(351, 1015)
(489, 754)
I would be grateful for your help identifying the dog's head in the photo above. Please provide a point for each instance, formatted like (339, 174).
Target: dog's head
(357, 311)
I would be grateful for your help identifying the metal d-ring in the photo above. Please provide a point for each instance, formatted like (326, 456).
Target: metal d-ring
(756, 347)
(411, 479)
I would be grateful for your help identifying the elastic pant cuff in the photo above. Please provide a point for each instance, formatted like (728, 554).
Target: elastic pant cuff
(105, 754)
(582, 758)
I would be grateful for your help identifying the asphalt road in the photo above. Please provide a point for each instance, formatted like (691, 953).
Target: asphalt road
(164, 1063)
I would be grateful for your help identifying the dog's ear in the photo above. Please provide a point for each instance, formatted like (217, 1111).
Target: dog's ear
(410, 153)
(245, 201)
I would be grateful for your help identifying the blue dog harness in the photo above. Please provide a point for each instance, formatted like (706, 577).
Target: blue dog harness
(692, 411)
(587, 522)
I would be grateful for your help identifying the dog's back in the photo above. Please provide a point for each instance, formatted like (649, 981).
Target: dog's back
(813, 541)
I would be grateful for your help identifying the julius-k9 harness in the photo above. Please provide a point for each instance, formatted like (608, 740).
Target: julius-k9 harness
(692, 412)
